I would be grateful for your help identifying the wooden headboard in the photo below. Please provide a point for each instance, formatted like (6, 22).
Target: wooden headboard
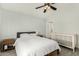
(19, 33)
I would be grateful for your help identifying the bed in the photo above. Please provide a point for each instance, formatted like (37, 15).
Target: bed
(32, 45)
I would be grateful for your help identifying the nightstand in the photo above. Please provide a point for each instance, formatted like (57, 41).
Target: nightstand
(7, 44)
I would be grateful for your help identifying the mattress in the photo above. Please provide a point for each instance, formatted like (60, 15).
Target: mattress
(35, 46)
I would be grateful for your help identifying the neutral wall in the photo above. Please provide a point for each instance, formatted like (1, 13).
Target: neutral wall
(66, 19)
(0, 23)
(14, 21)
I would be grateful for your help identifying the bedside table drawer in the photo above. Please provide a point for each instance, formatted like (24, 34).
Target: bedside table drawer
(7, 47)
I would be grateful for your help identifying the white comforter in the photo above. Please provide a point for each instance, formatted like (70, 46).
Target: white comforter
(35, 46)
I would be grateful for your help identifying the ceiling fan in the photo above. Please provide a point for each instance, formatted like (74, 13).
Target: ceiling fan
(47, 6)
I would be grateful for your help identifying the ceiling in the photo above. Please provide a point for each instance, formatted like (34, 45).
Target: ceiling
(25, 8)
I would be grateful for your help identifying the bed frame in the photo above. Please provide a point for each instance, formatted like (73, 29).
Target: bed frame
(19, 33)
(54, 53)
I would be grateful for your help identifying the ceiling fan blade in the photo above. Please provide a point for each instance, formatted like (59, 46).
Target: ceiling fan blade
(45, 10)
(53, 7)
(40, 7)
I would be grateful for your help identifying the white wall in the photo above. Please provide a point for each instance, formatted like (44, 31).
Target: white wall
(66, 19)
(14, 21)
(0, 19)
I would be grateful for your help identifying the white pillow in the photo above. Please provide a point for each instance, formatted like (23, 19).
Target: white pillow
(33, 34)
(24, 35)
(27, 35)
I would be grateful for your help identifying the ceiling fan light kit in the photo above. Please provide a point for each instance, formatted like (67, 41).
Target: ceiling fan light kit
(47, 6)
(45, 9)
